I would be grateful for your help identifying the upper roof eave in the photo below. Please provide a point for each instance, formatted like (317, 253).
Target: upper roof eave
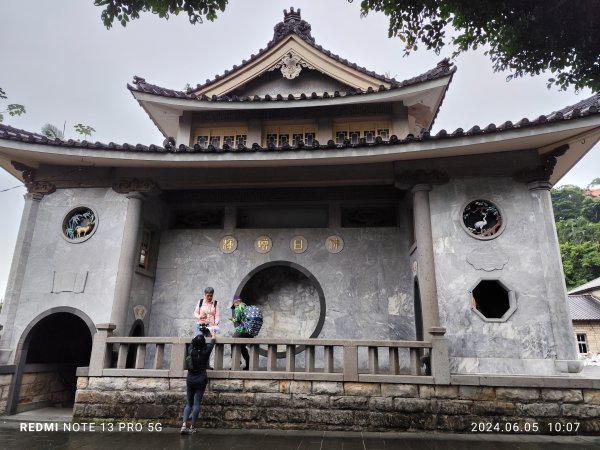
(291, 101)
(34, 150)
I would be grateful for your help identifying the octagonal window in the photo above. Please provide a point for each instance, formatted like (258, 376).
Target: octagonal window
(493, 301)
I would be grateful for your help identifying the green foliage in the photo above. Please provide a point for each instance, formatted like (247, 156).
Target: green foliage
(578, 227)
(53, 132)
(523, 37)
(125, 10)
(578, 231)
(581, 262)
(567, 202)
(85, 130)
(591, 209)
(12, 109)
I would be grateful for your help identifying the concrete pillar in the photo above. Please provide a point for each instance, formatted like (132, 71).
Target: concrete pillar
(399, 120)
(425, 259)
(184, 132)
(549, 251)
(127, 262)
(325, 131)
(17, 274)
(100, 357)
(254, 135)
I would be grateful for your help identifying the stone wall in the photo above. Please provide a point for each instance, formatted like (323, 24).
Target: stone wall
(41, 389)
(5, 380)
(592, 331)
(536, 334)
(290, 404)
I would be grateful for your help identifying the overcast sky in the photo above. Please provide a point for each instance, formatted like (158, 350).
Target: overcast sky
(59, 61)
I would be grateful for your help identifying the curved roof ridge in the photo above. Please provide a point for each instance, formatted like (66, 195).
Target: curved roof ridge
(293, 23)
(10, 133)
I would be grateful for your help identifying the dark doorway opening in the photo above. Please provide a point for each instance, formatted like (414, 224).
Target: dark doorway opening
(53, 349)
(418, 312)
(137, 330)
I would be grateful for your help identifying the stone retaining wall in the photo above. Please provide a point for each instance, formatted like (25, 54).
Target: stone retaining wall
(5, 380)
(287, 404)
(40, 389)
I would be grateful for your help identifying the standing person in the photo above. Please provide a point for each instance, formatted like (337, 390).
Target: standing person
(207, 313)
(238, 314)
(196, 381)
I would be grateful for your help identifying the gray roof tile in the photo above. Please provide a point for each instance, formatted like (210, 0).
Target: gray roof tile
(584, 307)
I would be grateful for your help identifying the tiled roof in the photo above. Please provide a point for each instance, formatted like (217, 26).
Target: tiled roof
(292, 23)
(590, 285)
(592, 108)
(443, 69)
(584, 307)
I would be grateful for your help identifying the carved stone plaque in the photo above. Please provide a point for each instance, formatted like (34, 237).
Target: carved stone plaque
(334, 244)
(298, 244)
(228, 244)
(263, 244)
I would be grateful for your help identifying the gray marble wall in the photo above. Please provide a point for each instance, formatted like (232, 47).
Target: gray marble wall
(90, 265)
(367, 286)
(513, 257)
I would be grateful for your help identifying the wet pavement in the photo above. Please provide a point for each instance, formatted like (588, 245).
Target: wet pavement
(12, 438)
(26, 434)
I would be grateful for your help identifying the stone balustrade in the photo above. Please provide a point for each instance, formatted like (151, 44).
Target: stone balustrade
(299, 359)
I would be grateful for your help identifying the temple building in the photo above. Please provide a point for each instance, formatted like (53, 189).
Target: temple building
(312, 187)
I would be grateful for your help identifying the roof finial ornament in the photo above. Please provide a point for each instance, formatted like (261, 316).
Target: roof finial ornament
(292, 23)
(292, 15)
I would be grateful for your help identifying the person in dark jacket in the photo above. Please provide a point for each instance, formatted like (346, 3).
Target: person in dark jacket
(196, 381)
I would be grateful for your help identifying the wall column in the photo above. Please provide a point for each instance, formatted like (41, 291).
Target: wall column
(425, 258)
(127, 262)
(17, 273)
(556, 291)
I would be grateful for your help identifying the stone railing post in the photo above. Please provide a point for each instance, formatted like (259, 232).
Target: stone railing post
(101, 355)
(350, 363)
(176, 367)
(440, 360)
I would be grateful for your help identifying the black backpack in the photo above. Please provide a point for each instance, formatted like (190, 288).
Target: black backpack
(189, 361)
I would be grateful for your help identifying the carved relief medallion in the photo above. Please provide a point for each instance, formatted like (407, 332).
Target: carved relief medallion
(79, 224)
(482, 219)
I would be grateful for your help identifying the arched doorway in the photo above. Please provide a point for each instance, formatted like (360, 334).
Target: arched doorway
(418, 312)
(137, 330)
(51, 348)
(290, 297)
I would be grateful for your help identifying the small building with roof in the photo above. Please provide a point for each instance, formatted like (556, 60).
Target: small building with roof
(312, 187)
(584, 304)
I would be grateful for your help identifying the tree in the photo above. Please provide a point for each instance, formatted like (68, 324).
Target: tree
(591, 209)
(567, 201)
(581, 262)
(53, 132)
(12, 109)
(125, 10)
(84, 130)
(523, 37)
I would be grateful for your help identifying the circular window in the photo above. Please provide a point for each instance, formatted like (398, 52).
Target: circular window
(79, 224)
(482, 219)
